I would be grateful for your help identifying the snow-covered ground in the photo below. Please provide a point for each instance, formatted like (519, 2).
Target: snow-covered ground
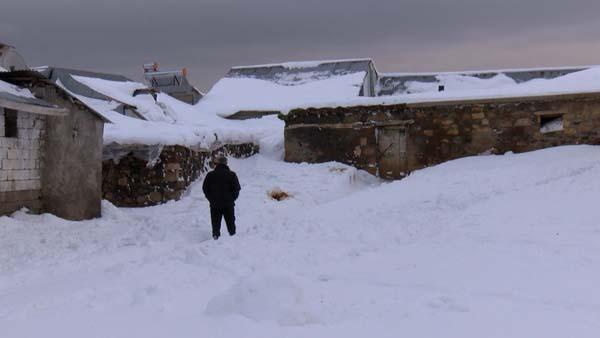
(488, 246)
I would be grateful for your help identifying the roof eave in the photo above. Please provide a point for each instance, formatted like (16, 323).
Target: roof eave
(32, 108)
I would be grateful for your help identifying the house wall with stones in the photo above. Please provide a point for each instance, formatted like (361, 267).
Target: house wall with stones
(72, 172)
(139, 175)
(21, 163)
(436, 132)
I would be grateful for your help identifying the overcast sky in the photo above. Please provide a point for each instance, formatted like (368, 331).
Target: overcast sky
(210, 36)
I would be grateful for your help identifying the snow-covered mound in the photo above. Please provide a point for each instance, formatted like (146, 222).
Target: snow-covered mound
(489, 246)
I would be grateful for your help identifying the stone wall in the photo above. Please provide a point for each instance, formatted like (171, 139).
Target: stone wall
(21, 162)
(138, 176)
(438, 132)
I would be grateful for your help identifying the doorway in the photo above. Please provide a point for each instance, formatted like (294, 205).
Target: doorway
(392, 152)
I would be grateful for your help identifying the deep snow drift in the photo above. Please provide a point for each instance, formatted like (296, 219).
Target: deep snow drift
(489, 246)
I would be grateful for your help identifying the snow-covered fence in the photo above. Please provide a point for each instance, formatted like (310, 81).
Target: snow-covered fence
(145, 175)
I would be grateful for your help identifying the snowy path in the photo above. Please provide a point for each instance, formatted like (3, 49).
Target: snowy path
(492, 246)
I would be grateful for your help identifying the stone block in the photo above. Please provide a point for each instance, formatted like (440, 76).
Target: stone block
(173, 195)
(123, 182)
(7, 186)
(172, 166)
(523, 122)
(27, 185)
(478, 116)
(453, 131)
(155, 197)
(428, 132)
(171, 177)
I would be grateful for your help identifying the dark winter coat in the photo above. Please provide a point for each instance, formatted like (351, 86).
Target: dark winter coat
(221, 187)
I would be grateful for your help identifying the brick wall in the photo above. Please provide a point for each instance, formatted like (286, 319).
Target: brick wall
(21, 161)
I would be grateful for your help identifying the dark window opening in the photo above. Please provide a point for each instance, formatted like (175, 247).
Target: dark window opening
(10, 123)
(551, 123)
(441, 88)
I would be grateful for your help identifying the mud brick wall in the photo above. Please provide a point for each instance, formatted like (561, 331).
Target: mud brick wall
(21, 162)
(442, 131)
(131, 181)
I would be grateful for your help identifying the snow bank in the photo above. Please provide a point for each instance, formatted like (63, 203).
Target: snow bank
(263, 298)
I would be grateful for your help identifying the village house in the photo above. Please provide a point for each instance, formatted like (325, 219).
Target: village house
(391, 137)
(171, 82)
(50, 149)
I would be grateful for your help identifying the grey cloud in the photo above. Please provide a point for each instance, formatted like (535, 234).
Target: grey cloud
(210, 36)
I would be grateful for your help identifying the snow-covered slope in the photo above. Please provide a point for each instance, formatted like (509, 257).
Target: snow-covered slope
(489, 246)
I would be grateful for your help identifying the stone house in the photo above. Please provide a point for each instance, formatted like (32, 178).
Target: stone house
(171, 82)
(392, 140)
(50, 149)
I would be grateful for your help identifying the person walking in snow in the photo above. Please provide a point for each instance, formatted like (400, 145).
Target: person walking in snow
(221, 188)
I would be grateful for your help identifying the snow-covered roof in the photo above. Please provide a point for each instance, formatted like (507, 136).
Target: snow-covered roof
(104, 92)
(66, 77)
(233, 95)
(284, 86)
(297, 73)
(459, 87)
(397, 83)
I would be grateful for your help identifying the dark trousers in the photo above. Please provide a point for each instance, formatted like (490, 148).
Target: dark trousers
(216, 214)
